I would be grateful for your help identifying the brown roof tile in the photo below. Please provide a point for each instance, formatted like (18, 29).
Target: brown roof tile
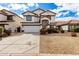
(70, 22)
(74, 22)
(60, 23)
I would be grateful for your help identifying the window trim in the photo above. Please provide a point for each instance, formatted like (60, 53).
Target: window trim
(8, 17)
(29, 19)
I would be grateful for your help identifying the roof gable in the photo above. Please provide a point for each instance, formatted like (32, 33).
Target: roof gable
(2, 12)
(48, 13)
(8, 12)
(28, 13)
(38, 11)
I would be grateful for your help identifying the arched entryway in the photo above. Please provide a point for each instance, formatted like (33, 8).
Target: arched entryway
(45, 23)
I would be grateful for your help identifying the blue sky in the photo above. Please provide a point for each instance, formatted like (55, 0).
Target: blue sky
(65, 11)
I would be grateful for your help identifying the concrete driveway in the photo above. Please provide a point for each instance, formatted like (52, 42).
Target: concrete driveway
(20, 44)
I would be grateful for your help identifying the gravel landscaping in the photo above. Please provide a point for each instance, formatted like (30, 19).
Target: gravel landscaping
(59, 44)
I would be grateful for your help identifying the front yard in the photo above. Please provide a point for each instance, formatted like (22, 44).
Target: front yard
(60, 43)
(28, 44)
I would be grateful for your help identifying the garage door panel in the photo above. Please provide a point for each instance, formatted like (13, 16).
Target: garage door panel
(31, 28)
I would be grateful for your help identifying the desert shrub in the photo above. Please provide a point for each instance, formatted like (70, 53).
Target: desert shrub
(8, 32)
(43, 31)
(73, 34)
(62, 31)
(49, 30)
(69, 30)
(52, 30)
(76, 29)
(1, 30)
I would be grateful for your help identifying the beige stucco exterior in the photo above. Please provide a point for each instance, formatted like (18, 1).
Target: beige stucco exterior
(37, 16)
(14, 24)
(3, 17)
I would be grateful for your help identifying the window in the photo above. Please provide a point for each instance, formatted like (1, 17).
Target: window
(29, 18)
(9, 17)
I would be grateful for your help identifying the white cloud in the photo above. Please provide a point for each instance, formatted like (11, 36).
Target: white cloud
(60, 13)
(15, 6)
(1, 7)
(77, 13)
(9, 1)
(74, 7)
(67, 6)
(66, 19)
(21, 16)
(23, 6)
(37, 5)
(32, 4)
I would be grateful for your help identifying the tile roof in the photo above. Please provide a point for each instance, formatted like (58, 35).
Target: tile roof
(74, 22)
(60, 23)
(70, 22)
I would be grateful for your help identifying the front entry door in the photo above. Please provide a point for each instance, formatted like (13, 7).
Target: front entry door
(18, 29)
(45, 23)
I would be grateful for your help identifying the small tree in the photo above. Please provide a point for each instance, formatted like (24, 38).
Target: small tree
(1, 30)
(73, 33)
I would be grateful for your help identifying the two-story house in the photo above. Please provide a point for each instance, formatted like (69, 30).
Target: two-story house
(9, 20)
(37, 19)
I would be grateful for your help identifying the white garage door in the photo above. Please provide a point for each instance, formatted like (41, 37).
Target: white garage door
(31, 28)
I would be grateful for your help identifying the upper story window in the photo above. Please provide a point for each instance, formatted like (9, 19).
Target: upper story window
(9, 17)
(29, 18)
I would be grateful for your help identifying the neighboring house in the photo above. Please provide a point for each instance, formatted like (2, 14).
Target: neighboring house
(66, 25)
(73, 24)
(9, 20)
(37, 19)
(61, 25)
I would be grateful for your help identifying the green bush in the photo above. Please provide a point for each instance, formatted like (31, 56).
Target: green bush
(43, 31)
(76, 29)
(52, 30)
(62, 31)
(73, 34)
(49, 30)
(1, 30)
